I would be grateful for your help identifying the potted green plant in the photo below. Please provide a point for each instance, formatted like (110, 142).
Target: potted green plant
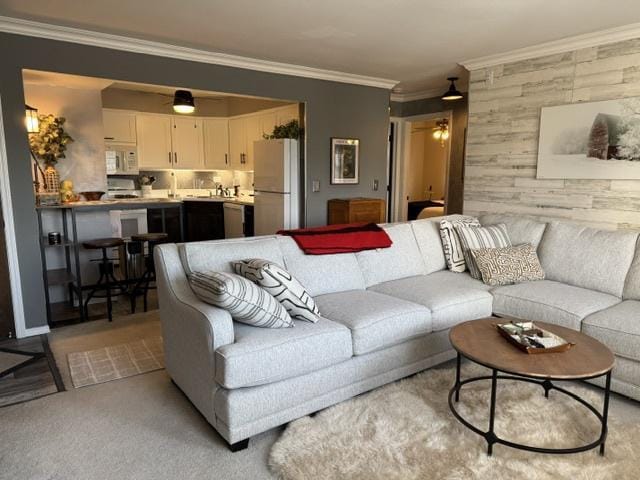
(49, 144)
(288, 130)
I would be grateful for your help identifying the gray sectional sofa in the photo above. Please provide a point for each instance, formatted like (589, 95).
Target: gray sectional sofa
(386, 314)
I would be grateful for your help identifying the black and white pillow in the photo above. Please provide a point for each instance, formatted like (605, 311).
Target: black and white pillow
(472, 238)
(281, 285)
(451, 245)
(504, 266)
(244, 300)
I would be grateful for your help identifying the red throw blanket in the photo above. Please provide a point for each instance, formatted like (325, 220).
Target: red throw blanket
(347, 238)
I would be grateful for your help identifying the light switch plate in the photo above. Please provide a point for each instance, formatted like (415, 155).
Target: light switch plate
(315, 186)
(376, 184)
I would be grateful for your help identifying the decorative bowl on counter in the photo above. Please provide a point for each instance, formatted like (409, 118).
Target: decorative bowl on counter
(92, 196)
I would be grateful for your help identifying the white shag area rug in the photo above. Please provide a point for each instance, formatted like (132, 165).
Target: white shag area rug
(405, 430)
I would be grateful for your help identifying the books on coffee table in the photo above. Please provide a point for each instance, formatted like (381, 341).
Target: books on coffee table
(532, 339)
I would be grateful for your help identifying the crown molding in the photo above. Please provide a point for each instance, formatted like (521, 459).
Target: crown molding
(129, 44)
(411, 96)
(611, 35)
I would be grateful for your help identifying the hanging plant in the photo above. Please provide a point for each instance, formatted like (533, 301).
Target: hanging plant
(50, 142)
(288, 130)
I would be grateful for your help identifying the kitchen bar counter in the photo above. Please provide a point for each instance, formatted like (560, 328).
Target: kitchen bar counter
(135, 203)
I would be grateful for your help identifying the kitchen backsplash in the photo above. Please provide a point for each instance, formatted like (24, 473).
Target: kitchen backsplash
(188, 179)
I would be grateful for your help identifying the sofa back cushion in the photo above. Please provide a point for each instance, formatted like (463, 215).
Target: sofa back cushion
(632, 282)
(402, 259)
(521, 230)
(320, 274)
(587, 257)
(217, 255)
(427, 233)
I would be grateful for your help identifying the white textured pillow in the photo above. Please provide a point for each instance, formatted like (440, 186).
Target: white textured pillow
(472, 238)
(244, 300)
(451, 245)
(281, 285)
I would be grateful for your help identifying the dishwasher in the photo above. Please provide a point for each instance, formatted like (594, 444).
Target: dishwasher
(233, 220)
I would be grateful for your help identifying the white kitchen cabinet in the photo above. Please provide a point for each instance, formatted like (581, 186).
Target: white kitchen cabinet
(269, 121)
(237, 142)
(119, 127)
(187, 142)
(154, 141)
(254, 132)
(216, 143)
(285, 115)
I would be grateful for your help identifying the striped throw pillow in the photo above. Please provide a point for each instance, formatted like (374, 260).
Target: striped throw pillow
(244, 300)
(504, 266)
(281, 285)
(472, 237)
(452, 248)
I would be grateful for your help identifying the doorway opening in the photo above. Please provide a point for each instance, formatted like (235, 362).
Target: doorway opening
(421, 168)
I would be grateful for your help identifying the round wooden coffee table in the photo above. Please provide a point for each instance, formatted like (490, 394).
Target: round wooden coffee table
(480, 342)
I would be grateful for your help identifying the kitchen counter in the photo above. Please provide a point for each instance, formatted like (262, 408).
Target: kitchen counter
(133, 203)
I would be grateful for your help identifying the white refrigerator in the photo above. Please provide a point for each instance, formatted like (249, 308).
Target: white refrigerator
(276, 181)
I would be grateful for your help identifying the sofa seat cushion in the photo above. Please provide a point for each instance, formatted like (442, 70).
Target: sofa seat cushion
(260, 356)
(376, 321)
(618, 328)
(550, 301)
(451, 297)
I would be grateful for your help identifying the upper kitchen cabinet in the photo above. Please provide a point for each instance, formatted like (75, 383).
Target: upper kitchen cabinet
(237, 142)
(254, 132)
(154, 141)
(119, 127)
(216, 143)
(188, 143)
(288, 113)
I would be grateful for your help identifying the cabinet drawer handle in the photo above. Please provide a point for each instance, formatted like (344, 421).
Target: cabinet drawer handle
(175, 157)
(169, 157)
(226, 159)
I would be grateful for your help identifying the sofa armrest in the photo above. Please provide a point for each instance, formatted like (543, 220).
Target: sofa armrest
(191, 329)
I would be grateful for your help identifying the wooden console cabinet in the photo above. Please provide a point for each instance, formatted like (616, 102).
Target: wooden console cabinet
(356, 210)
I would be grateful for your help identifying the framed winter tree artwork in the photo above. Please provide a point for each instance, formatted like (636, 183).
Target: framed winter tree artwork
(591, 140)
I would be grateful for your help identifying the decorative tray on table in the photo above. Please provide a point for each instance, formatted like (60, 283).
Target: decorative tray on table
(532, 339)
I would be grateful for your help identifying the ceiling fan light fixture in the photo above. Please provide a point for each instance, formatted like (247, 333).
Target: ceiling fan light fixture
(183, 102)
(452, 93)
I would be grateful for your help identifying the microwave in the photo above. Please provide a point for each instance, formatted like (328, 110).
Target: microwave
(121, 161)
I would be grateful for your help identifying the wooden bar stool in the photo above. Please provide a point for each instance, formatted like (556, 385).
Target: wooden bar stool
(142, 286)
(107, 280)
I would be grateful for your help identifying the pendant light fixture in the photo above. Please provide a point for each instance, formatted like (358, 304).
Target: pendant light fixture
(452, 93)
(31, 119)
(183, 102)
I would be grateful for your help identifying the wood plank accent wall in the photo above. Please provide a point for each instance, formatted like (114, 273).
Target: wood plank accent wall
(502, 141)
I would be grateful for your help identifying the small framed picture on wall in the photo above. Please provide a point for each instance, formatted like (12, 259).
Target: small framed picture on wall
(345, 161)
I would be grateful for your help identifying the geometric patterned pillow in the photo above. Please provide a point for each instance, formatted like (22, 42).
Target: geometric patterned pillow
(471, 238)
(244, 300)
(504, 266)
(281, 285)
(452, 248)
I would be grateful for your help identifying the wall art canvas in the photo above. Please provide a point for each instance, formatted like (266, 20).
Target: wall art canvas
(591, 140)
(345, 161)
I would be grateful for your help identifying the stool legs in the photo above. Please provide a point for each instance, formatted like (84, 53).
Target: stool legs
(107, 281)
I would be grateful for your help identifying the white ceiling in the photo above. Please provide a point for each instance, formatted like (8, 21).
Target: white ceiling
(418, 42)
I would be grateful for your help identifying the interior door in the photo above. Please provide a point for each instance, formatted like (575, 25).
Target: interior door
(6, 308)
(154, 141)
(188, 143)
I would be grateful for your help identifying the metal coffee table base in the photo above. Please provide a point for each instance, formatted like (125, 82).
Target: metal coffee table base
(492, 438)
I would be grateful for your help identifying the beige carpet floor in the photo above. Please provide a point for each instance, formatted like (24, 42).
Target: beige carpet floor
(138, 428)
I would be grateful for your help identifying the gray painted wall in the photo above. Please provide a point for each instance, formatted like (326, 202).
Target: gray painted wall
(504, 126)
(332, 109)
(459, 108)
